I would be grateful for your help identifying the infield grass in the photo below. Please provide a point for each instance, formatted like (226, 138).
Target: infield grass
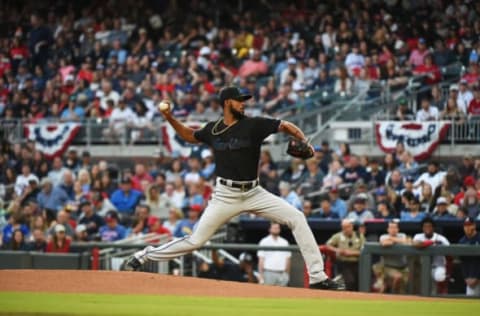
(27, 303)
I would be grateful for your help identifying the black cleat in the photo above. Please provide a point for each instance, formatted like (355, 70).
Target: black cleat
(328, 284)
(131, 264)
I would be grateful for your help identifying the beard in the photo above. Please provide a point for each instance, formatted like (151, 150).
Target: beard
(237, 114)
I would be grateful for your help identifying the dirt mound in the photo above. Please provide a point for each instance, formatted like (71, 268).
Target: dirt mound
(110, 282)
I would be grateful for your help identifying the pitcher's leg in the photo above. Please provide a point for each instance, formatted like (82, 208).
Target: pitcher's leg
(215, 215)
(274, 208)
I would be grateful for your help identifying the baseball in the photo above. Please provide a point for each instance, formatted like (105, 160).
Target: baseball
(164, 106)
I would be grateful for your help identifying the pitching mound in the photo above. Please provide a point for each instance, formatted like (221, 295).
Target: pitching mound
(110, 282)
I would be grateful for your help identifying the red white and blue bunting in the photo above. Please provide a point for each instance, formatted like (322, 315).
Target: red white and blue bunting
(52, 139)
(419, 138)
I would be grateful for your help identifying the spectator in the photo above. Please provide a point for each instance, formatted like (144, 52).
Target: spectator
(338, 205)
(429, 70)
(100, 202)
(274, 266)
(140, 178)
(17, 242)
(429, 238)
(290, 196)
(112, 230)
(471, 203)
(38, 242)
(186, 226)
(474, 105)
(427, 112)
(173, 220)
(23, 179)
(333, 178)
(471, 265)
(68, 182)
(433, 176)
(208, 169)
(159, 207)
(60, 242)
(63, 217)
(412, 213)
(325, 210)
(90, 220)
(15, 222)
(417, 57)
(142, 220)
(56, 174)
(353, 171)
(403, 113)
(52, 198)
(254, 66)
(392, 271)
(360, 212)
(125, 198)
(343, 84)
(452, 112)
(347, 244)
(465, 96)
(441, 211)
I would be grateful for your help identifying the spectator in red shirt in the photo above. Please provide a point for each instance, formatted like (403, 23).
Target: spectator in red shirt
(141, 179)
(474, 106)
(254, 66)
(429, 69)
(473, 75)
(59, 243)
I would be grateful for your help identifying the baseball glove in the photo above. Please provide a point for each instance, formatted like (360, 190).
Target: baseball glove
(299, 149)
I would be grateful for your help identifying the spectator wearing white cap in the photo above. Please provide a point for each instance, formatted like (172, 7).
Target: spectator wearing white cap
(292, 67)
(59, 243)
(464, 97)
(23, 179)
(441, 210)
(208, 163)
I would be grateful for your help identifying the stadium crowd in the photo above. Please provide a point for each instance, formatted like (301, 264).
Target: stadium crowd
(115, 61)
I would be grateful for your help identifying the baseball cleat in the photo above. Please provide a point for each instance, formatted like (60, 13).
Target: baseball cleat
(131, 264)
(328, 284)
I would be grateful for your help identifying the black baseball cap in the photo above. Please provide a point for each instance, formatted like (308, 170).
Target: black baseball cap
(232, 93)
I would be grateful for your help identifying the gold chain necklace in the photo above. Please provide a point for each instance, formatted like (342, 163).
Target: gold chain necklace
(223, 130)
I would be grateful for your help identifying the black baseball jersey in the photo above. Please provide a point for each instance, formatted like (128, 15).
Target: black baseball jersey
(237, 149)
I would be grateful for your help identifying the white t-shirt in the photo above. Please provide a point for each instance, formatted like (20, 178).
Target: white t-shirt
(437, 261)
(22, 182)
(431, 114)
(120, 116)
(434, 180)
(274, 260)
(104, 97)
(463, 100)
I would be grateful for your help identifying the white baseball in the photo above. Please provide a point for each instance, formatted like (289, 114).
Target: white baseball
(164, 106)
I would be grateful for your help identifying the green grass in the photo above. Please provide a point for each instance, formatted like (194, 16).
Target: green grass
(22, 303)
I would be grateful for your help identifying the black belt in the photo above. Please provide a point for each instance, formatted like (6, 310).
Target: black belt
(244, 186)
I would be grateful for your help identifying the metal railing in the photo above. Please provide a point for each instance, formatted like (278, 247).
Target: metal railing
(371, 249)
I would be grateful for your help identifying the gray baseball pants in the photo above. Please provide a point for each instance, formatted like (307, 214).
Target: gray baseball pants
(228, 202)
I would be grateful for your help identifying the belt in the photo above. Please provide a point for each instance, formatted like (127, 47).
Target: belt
(243, 185)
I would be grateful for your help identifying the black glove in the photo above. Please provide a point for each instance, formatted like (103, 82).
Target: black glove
(299, 149)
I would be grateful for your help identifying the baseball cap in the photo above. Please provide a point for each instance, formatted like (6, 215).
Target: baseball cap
(469, 181)
(233, 93)
(442, 200)
(402, 101)
(291, 61)
(245, 256)
(81, 228)
(334, 190)
(409, 178)
(380, 191)
(111, 216)
(468, 221)
(59, 228)
(414, 200)
(463, 81)
(196, 208)
(206, 153)
(84, 202)
(421, 40)
(361, 197)
(453, 87)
